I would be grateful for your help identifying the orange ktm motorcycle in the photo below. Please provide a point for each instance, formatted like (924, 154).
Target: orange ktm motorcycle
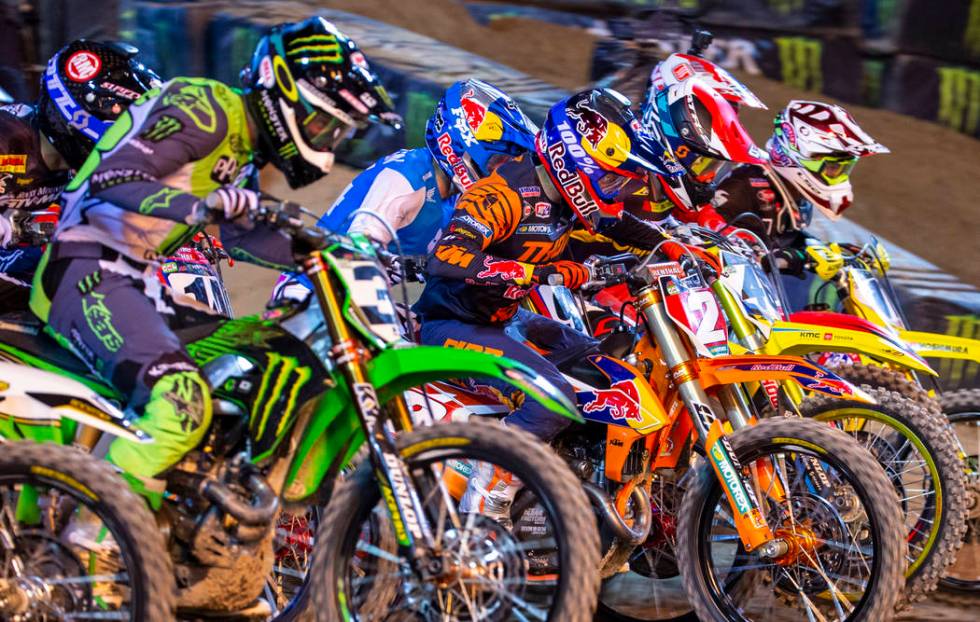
(781, 515)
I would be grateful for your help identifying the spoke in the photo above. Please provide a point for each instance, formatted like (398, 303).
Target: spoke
(377, 552)
(95, 578)
(98, 615)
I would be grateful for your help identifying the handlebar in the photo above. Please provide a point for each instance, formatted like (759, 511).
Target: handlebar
(282, 215)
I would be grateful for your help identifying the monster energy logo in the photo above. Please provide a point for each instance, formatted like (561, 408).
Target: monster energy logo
(799, 62)
(959, 99)
(288, 150)
(165, 126)
(971, 34)
(282, 380)
(325, 47)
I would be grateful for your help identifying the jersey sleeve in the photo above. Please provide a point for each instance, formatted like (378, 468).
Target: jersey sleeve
(487, 213)
(184, 123)
(390, 198)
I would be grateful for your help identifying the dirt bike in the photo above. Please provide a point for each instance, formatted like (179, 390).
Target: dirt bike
(860, 277)
(913, 444)
(296, 393)
(706, 531)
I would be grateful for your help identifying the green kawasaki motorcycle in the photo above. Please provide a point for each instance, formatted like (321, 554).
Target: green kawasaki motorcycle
(296, 393)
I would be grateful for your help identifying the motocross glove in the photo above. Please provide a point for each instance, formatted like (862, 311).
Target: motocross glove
(6, 231)
(236, 202)
(788, 261)
(573, 274)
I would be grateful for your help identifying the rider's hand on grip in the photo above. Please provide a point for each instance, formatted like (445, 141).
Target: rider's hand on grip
(572, 273)
(6, 231)
(235, 203)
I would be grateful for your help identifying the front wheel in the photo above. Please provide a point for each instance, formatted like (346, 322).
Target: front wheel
(543, 568)
(962, 409)
(837, 512)
(75, 542)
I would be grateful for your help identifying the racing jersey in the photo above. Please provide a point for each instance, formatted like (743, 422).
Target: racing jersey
(502, 227)
(401, 188)
(172, 147)
(27, 183)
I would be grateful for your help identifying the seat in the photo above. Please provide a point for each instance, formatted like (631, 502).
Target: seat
(24, 333)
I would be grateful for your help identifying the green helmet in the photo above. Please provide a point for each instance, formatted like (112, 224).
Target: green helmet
(308, 88)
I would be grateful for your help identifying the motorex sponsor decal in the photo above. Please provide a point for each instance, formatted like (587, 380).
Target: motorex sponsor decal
(730, 478)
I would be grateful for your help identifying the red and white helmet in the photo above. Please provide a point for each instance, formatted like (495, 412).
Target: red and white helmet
(814, 146)
(677, 68)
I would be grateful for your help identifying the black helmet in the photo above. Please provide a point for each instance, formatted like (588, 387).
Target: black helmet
(308, 88)
(86, 85)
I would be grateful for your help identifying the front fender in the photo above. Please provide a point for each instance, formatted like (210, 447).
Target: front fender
(799, 339)
(755, 368)
(398, 369)
(940, 346)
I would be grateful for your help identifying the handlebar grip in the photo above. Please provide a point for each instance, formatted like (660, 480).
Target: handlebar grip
(556, 280)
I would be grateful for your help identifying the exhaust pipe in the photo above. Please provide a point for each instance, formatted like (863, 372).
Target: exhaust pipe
(260, 511)
(608, 513)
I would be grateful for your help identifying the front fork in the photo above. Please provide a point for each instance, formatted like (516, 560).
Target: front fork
(406, 510)
(752, 528)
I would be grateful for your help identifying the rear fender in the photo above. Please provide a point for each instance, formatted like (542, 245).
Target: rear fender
(43, 406)
(334, 432)
(738, 369)
(940, 346)
(798, 339)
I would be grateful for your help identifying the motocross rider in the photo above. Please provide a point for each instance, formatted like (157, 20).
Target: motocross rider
(508, 233)
(140, 195)
(85, 86)
(690, 106)
(813, 148)
(474, 129)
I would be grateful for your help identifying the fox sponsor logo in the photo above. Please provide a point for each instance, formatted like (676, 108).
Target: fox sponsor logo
(460, 172)
(506, 269)
(13, 163)
(620, 401)
(570, 182)
(82, 66)
(589, 123)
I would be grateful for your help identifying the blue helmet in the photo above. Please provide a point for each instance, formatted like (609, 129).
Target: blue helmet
(592, 145)
(475, 128)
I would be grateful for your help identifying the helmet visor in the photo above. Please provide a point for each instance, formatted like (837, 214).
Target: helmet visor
(833, 171)
(324, 132)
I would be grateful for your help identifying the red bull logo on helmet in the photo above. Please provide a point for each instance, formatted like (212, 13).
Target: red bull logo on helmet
(621, 401)
(474, 110)
(506, 269)
(590, 124)
(569, 180)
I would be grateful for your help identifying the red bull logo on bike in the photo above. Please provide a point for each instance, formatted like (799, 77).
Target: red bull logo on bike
(621, 402)
(506, 269)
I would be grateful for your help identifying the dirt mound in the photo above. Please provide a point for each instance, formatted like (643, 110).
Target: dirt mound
(553, 53)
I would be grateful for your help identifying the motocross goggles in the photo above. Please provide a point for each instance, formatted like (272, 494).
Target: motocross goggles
(708, 170)
(832, 170)
(324, 132)
(611, 185)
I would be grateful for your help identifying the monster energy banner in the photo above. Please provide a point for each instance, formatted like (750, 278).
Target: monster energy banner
(932, 90)
(949, 30)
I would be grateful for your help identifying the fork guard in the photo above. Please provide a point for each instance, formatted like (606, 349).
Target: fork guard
(736, 369)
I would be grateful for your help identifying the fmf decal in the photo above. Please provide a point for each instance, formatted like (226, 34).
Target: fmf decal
(82, 66)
